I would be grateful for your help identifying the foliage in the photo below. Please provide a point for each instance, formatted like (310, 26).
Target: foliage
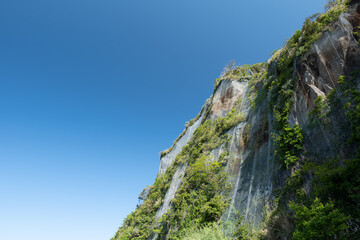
(192, 121)
(138, 224)
(292, 188)
(281, 87)
(144, 193)
(210, 231)
(330, 4)
(288, 140)
(340, 182)
(187, 125)
(279, 225)
(246, 133)
(319, 109)
(319, 113)
(202, 197)
(241, 73)
(336, 182)
(352, 105)
(319, 221)
(163, 153)
(289, 144)
(312, 29)
(245, 231)
(207, 136)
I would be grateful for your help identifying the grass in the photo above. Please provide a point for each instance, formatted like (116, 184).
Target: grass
(209, 232)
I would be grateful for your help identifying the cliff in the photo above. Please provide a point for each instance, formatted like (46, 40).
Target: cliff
(274, 152)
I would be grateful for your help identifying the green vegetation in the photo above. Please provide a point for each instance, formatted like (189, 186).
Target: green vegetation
(321, 197)
(331, 210)
(334, 202)
(319, 221)
(288, 139)
(289, 144)
(313, 215)
(281, 86)
(246, 134)
(315, 25)
(340, 182)
(202, 197)
(319, 113)
(245, 231)
(163, 153)
(319, 109)
(210, 231)
(208, 136)
(192, 121)
(301, 42)
(199, 200)
(256, 82)
(187, 125)
(138, 224)
(351, 95)
(241, 73)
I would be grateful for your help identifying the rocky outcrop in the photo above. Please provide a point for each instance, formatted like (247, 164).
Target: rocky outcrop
(167, 159)
(336, 53)
(251, 162)
(225, 97)
(222, 101)
(248, 151)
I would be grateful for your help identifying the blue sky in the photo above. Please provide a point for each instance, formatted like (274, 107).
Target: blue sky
(91, 92)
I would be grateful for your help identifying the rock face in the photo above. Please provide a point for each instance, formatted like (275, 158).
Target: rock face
(225, 97)
(251, 158)
(336, 53)
(222, 101)
(169, 157)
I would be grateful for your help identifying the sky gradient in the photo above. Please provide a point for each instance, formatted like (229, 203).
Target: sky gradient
(91, 92)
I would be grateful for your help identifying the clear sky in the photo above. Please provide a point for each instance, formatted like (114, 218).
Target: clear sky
(92, 90)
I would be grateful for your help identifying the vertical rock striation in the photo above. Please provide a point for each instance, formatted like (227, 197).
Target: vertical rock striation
(256, 112)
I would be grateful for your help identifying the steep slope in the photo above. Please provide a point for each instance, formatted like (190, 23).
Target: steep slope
(273, 153)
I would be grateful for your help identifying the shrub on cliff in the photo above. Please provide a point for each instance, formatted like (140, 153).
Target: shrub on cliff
(211, 231)
(319, 221)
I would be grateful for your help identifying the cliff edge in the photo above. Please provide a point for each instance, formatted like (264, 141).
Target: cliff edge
(274, 152)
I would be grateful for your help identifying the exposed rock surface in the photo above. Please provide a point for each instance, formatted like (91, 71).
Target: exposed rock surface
(254, 172)
(225, 97)
(169, 158)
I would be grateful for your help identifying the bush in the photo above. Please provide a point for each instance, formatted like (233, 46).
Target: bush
(319, 221)
(245, 231)
(211, 231)
(340, 182)
(289, 144)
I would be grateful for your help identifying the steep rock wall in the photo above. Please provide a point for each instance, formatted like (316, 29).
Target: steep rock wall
(251, 156)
